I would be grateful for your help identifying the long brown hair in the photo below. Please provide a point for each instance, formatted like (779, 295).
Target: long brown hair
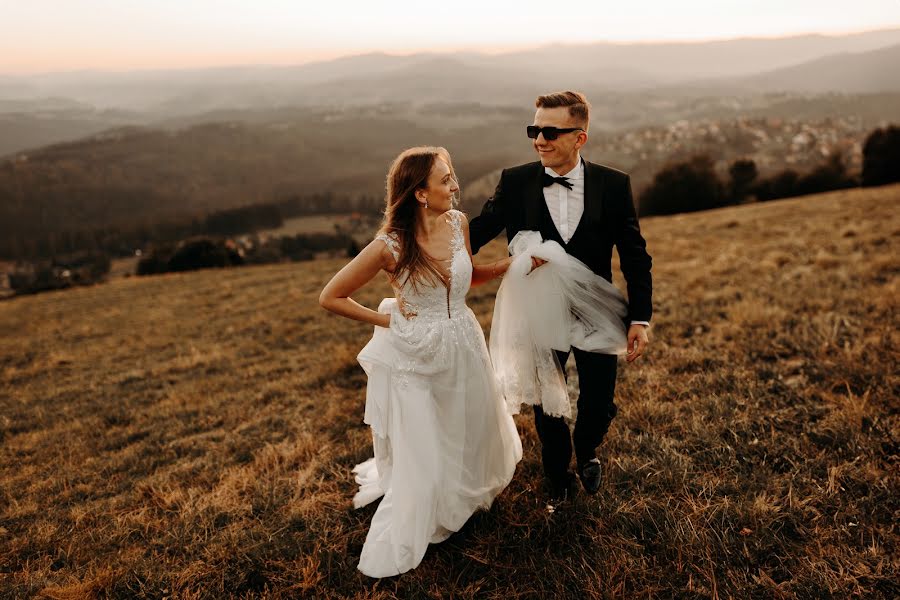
(408, 173)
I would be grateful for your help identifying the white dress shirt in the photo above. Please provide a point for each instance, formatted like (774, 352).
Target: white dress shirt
(567, 206)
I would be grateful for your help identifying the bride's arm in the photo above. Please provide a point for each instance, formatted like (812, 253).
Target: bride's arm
(335, 297)
(484, 273)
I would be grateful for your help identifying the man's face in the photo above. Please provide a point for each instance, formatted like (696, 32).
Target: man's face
(563, 151)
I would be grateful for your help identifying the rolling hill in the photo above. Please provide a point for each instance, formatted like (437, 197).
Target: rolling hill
(140, 175)
(853, 73)
(136, 175)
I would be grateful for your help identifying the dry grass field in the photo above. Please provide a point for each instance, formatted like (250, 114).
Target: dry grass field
(192, 435)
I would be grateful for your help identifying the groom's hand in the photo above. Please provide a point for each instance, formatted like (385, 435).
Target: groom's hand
(638, 340)
(536, 262)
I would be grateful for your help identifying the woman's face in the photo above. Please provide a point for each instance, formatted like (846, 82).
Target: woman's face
(442, 187)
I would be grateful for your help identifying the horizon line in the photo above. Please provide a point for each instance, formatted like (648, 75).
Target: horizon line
(484, 50)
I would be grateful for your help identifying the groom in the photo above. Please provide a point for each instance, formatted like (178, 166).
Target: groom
(587, 208)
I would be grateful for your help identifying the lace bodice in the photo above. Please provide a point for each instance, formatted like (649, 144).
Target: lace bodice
(430, 300)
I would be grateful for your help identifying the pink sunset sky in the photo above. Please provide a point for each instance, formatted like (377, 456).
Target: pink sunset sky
(62, 35)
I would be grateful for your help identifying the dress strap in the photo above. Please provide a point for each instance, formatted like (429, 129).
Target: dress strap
(392, 242)
(457, 241)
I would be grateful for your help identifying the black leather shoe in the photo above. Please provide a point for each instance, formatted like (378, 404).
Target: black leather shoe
(559, 490)
(589, 473)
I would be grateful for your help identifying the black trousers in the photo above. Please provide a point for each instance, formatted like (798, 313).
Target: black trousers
(596, 409)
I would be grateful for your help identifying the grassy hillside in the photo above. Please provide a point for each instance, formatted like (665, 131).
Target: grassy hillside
(192, 435)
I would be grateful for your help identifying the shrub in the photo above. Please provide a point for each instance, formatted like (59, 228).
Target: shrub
(742, 174)
(782, 185)
(881, 157)
(831, 175)
(156, 261)
(61, 272)
(683, 187)
(189, 255)
(202, 253)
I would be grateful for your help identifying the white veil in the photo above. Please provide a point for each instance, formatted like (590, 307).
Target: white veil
(558, 305)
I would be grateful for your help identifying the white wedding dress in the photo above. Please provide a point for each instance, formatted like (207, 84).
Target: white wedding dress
(444, 443)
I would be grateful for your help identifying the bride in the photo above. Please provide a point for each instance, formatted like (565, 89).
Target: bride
(444, 443)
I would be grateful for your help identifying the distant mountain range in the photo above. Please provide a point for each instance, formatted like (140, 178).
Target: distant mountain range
(473, 77)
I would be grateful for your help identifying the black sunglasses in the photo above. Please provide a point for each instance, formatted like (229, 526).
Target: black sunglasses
(550, 133)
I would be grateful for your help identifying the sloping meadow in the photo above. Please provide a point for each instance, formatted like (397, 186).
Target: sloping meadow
(192, 435)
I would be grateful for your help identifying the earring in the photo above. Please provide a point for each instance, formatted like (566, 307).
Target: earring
(426, 202)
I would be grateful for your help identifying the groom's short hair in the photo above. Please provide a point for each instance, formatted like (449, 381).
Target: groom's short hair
(579, 107)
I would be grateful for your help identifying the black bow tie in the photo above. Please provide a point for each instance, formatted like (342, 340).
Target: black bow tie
(550, 180)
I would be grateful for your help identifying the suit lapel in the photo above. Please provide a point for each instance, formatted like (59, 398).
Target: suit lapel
(593, 193)
(534, 198)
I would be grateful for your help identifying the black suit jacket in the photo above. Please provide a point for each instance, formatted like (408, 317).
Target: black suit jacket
(609, 220)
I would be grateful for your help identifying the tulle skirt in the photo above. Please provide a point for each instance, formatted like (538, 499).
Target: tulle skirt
(559, 305)
(444, 443)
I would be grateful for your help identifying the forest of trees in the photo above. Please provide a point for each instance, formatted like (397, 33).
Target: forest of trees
(693, 184)
(203, 252)
(65, 259)
(120, 241)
